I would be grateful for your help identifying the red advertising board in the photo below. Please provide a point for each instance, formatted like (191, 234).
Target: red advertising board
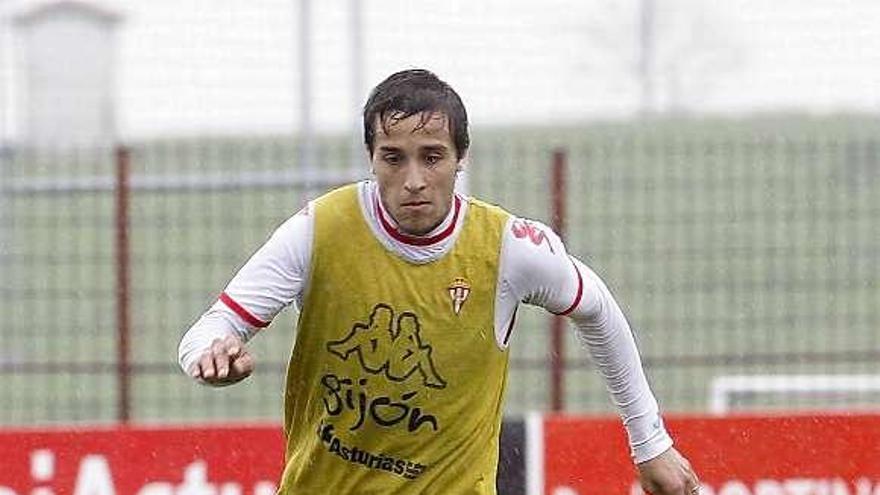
(739, 455)
(241, 460)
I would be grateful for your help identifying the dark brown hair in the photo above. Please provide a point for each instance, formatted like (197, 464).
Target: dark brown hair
(411, 92)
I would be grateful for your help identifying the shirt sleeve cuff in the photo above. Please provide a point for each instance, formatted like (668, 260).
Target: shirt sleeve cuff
(656, 445)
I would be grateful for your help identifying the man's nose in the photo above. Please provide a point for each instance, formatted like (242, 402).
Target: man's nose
(415, 177)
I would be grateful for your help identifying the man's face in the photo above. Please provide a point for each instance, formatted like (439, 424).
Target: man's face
(415, 163)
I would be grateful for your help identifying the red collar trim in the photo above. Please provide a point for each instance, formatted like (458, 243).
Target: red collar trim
(415, 240)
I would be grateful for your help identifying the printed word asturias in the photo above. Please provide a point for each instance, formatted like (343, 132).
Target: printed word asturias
(401, 467)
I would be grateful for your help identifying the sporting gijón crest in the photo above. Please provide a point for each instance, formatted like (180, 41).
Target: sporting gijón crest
(459, 292)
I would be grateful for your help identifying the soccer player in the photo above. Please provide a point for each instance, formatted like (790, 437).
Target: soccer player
(408, 295)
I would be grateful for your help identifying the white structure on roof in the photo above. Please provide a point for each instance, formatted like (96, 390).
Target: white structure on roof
(66, 87)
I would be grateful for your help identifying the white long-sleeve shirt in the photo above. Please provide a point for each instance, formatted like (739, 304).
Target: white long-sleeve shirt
(534, 269)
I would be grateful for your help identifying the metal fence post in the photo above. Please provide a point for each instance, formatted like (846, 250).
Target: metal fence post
(123, 280)
(557, 325)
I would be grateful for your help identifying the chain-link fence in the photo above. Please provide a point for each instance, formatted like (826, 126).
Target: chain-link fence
(745, 248)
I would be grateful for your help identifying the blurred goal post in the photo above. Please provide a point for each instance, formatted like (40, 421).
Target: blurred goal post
(725, 389)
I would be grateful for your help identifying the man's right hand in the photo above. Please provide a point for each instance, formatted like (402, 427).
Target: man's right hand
(224, 363)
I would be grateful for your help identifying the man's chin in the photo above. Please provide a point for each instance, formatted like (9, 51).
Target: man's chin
(414, 226)
(414, 230)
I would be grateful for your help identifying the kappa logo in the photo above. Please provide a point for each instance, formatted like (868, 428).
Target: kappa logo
(524, 228)
(390, 346)
(458, 292)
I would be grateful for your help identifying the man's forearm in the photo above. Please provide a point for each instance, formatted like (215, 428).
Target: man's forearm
(605, 333)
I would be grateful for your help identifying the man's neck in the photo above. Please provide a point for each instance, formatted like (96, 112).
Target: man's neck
(439, 232)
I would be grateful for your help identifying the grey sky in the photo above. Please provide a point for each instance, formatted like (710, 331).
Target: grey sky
(222, 66)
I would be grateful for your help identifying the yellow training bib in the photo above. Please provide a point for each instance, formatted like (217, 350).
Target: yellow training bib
(395, 384)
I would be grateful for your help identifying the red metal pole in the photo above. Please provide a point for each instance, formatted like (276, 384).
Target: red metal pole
(123, 280)
(557, 325)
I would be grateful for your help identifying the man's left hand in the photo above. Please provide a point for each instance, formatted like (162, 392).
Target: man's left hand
(668, 474)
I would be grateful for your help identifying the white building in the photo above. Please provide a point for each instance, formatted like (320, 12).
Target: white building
(64, 93)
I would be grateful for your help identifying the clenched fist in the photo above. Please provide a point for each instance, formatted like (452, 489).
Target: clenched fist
(224, 363)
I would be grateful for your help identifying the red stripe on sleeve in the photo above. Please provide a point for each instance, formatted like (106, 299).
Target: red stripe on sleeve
(242, 313)
(580, 292)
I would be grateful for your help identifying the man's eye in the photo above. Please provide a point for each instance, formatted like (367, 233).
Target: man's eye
(433, 159)
(393, 159)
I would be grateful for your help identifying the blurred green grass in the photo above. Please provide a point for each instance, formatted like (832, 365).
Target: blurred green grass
(727, 242)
